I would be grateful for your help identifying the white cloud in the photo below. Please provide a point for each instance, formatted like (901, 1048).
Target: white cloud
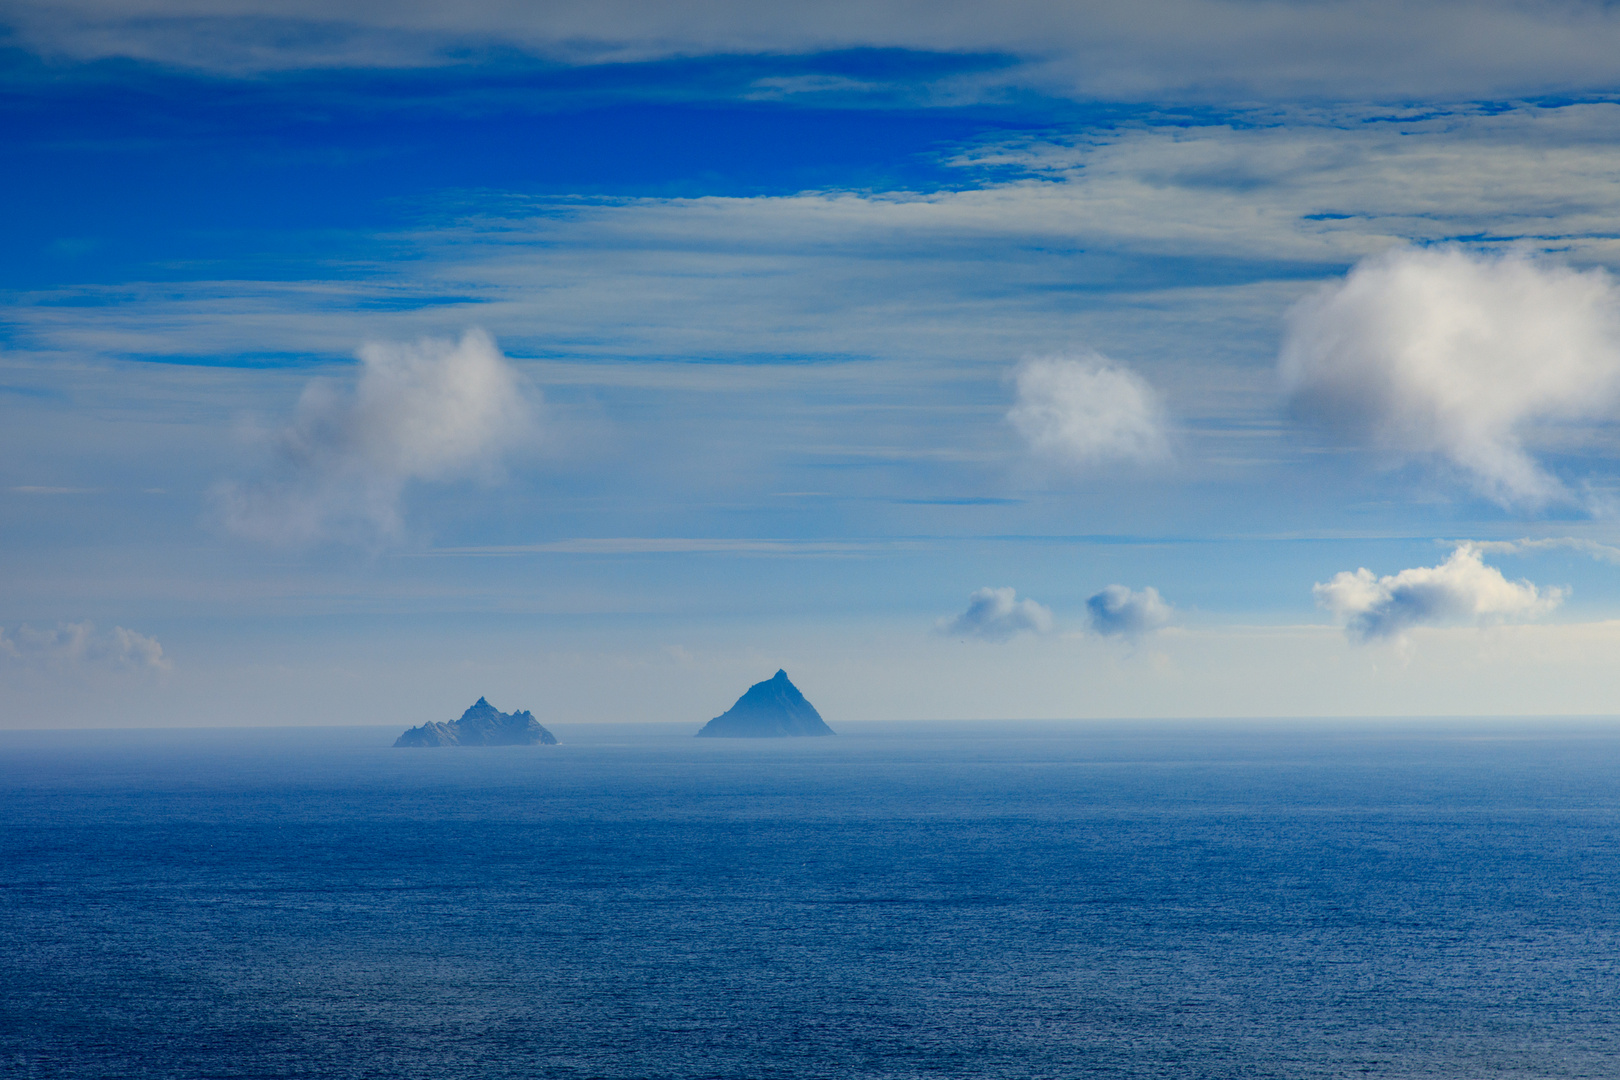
(1601, 552)
(435, 410)
(80, 644)
(980, 273)
(644, 545)
(1120, 611)
(1086, 410)
(1453, 354)
(998, 615)
(1147, 50)
(1462, 587)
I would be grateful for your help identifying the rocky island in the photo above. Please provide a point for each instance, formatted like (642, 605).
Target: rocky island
(772, 709)
(481, 725)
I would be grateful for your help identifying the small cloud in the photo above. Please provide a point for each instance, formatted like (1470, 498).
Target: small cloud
(778, 87)
(81, 645)
(1462, 587)
(1601, 552)
(1119, 611)
(1087, 410)
(1445, 353)
(436, 410)
(998, 615)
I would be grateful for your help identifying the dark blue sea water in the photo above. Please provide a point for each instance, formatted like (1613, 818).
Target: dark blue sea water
(948, 901)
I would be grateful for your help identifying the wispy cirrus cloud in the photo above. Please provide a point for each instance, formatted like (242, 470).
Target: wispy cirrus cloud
(689, 545)
(435, 410)
(1599, 551)
(1153, 50)
(981, 271)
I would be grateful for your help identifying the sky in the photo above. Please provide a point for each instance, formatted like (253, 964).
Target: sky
(1029, 361)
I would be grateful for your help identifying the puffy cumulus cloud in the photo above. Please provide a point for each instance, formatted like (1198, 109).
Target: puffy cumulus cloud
(1462, 587)
(435, 410)
(1447, 353)
(1123, 612)
(998, 615)
(1087, 410)
(80, 644)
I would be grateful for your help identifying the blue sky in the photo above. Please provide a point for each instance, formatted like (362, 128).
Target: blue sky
(358, 361)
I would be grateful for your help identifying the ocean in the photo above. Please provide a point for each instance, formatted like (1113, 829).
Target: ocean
(983, 900)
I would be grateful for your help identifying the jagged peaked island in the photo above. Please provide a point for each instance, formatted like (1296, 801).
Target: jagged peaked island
(772, 709)
(481, 725)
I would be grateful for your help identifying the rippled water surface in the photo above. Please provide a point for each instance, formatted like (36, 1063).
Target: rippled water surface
(939, 901)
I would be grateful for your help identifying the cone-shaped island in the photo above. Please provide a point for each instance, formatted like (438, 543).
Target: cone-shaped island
(481, 725)
(772, 709)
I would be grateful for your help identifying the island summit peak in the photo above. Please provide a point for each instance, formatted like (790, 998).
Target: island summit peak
(772, 709)
(481, 725)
